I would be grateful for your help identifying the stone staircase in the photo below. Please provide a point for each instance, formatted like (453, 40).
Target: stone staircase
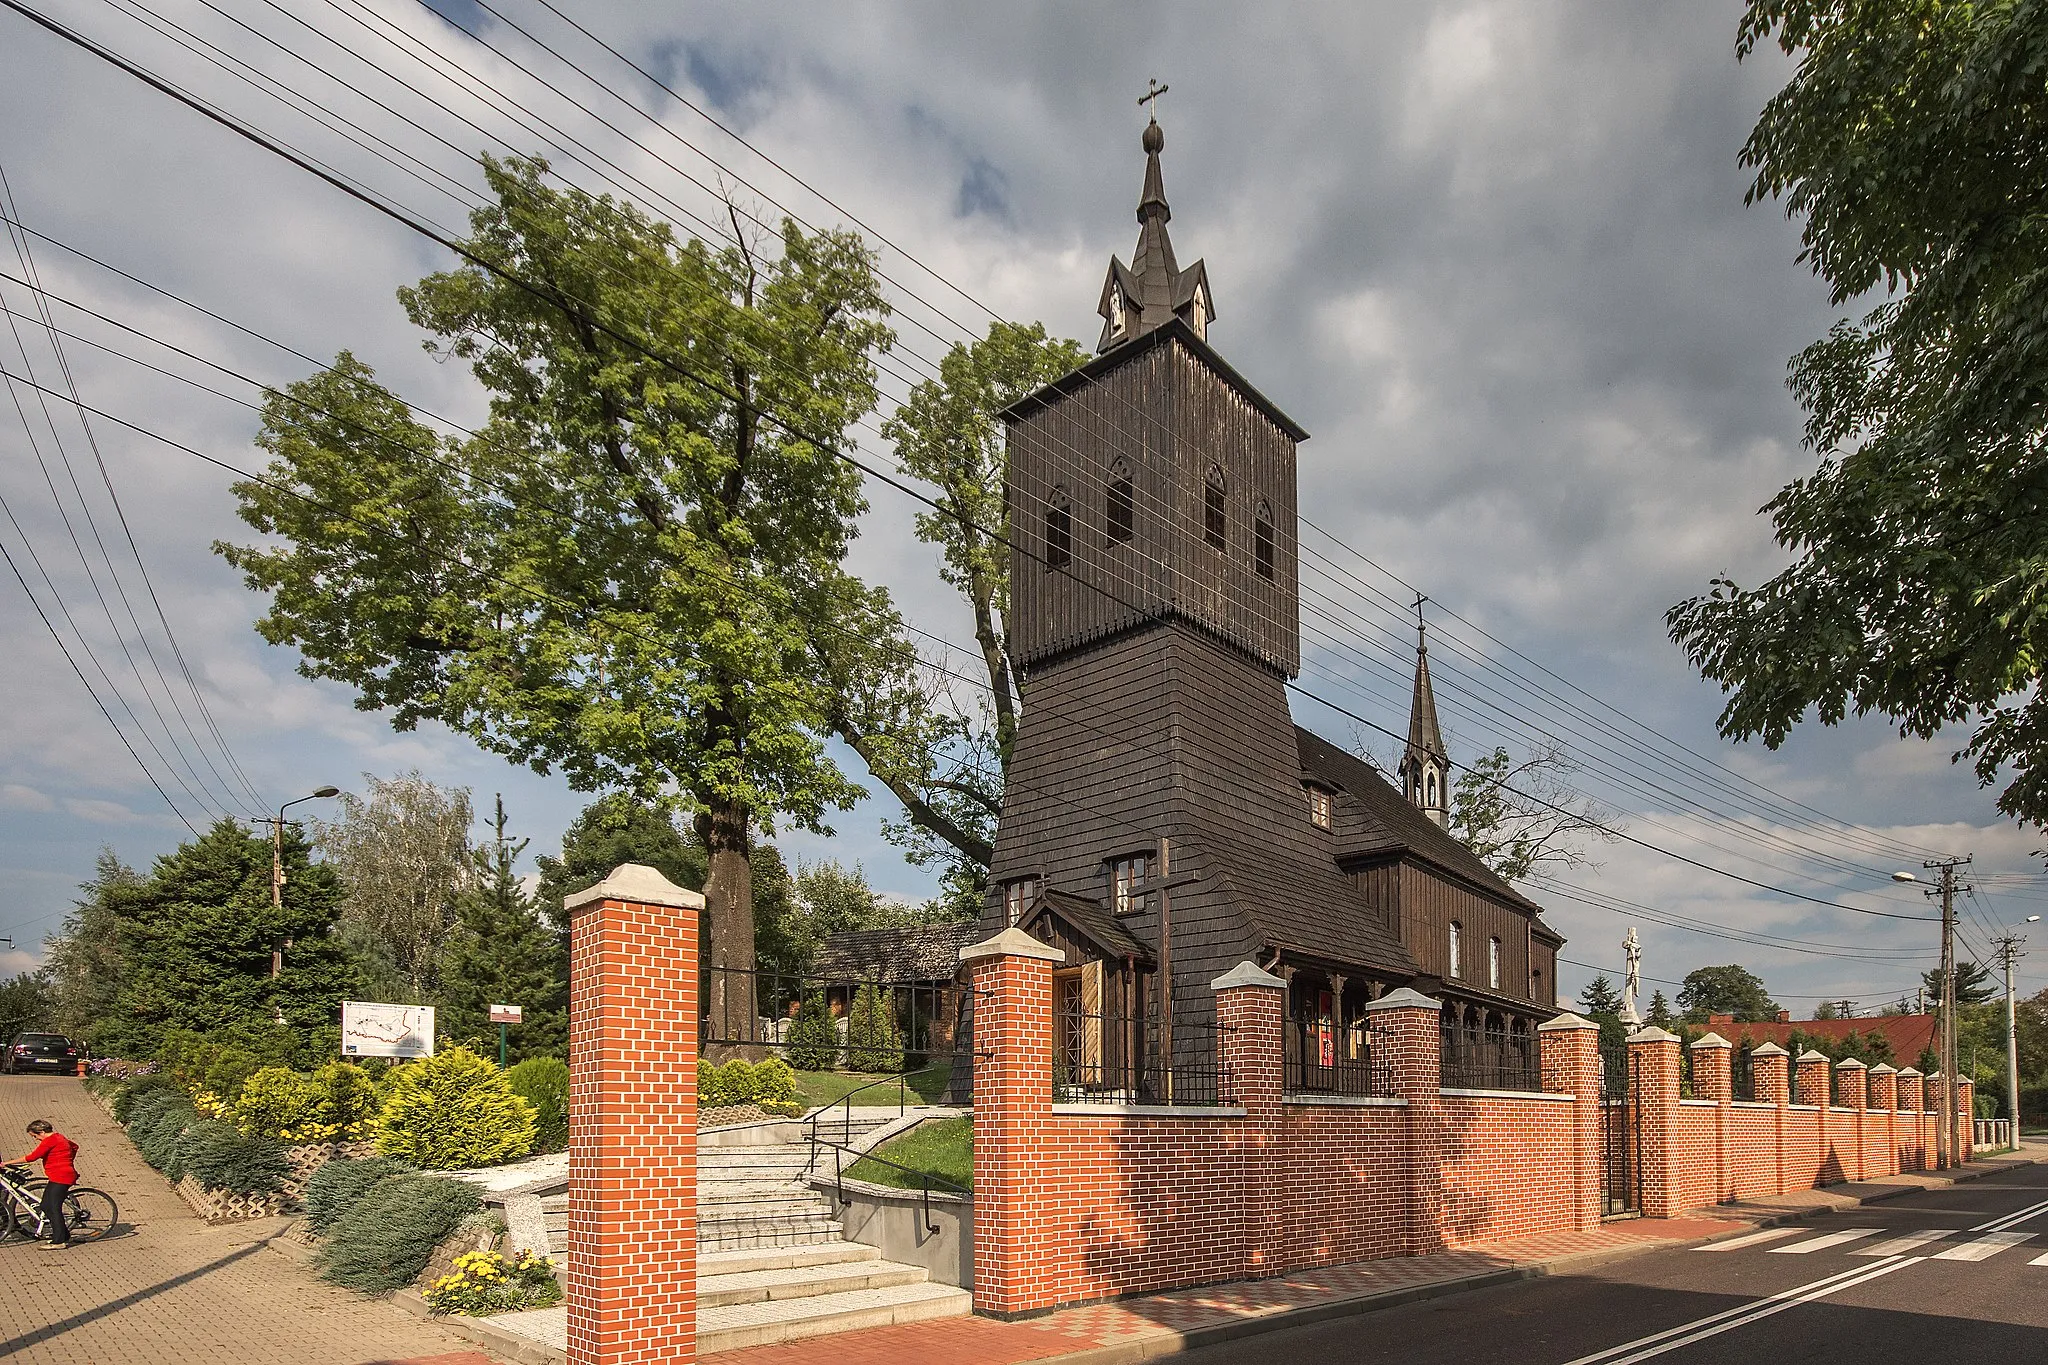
(772, 1260)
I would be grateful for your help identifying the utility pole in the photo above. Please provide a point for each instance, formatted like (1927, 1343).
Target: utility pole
(1946, 1143)
(2009, 953)
(279, 944)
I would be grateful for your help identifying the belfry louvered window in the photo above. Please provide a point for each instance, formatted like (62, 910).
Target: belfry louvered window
(1212, 509)
(1262, 542)
(1118, 515)
(1059, 531)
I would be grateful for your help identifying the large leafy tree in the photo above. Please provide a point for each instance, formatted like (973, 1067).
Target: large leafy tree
(1908, 141)
(1732, 989)
(402, 854)
(1523, 817)
(625, 572)
(943, 749)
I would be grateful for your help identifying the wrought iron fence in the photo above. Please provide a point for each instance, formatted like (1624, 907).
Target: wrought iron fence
(1489, 1059)
(1115, 1058)
(1324, 1058)
(865, 1025)
(1742, 1074)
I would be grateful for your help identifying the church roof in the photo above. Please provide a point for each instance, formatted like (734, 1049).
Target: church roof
(1092, 920)
(918, 953)
(1152, 289)
(1423, 735)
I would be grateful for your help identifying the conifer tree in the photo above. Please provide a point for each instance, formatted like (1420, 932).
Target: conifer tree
(502, 953)
(813, 1038)
(873, 1042)
(1600, 998)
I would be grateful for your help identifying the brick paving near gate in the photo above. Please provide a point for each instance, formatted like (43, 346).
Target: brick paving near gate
(166, 1289)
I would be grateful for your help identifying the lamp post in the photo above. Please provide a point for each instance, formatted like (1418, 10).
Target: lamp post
(277, 872)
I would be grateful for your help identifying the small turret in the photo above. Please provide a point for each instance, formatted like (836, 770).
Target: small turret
(1143, 295)
(1425, 767)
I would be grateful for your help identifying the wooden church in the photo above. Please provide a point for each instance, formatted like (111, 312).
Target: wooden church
(1163, 817)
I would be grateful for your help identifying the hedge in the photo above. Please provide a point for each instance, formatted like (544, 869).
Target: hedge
(384, 1240)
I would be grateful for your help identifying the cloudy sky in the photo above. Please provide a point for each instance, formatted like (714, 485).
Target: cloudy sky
(1494, 256)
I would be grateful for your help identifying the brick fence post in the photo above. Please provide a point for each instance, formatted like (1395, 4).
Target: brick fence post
(1011, 977)
(1570, 1048)
(633, 1025)
(1713, 1078)
(1653, 1064)
(1852, 1091)
(1810, 1085)
(1912, 1109)
(1405, 1022)
(1883, 1093)
(1931, 1092)
(1251, 1009)
(1966, 1120)
(1770, 1068)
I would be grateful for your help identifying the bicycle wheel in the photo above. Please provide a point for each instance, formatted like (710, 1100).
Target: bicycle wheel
(90, 1213)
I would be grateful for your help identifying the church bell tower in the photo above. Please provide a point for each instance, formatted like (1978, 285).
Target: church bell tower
(1425, 767)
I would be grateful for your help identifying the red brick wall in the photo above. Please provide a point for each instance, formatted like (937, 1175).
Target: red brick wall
(1507, 1167)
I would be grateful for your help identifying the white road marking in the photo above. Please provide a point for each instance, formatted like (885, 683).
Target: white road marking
(2042, 1259)
(1753, 1239)
(1734, 1317)
(1896, 1246)
(1833, 1239)
(2013, 1219)
(1985, 1247)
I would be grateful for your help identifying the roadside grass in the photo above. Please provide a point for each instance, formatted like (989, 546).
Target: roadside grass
(824, 1087)
(943, 1148)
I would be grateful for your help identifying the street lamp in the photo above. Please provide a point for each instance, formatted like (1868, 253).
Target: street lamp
(277, 871)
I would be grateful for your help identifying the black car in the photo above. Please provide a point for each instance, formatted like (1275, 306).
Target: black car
(41, 1052)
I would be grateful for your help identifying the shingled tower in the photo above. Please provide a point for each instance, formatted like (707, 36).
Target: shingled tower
(1425, 765)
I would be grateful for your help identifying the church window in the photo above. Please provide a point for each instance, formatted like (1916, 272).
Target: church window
(1493, 963)
(1118, 514)
(1262, 542)
(1212, 508)
(1017, 898)
(1116, 310)
(1457, 964)
(1126, 876)
(1431, 801)
(1201, 312)
(1318, 808)
(1059, 531)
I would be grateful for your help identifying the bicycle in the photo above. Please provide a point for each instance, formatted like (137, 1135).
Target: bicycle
(90, 1213)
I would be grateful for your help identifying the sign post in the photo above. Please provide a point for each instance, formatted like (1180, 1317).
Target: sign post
(504, 1016)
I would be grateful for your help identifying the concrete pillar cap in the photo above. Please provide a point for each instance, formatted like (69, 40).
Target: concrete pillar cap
(1564, 1021)
(637, 884)
(1884, 1069)
(1914, 1072)
(1769, 1050)
(1012, 942)
(1850, 1064)
(1405, 998)
(1652, 1034)
(1810, 1055)
(1247, 974)
(1710, 1040)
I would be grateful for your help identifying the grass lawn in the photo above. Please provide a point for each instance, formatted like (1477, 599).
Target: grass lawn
(823, 1087)
(944, 1148)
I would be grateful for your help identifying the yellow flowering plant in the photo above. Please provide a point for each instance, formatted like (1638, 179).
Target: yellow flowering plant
(485, 1282)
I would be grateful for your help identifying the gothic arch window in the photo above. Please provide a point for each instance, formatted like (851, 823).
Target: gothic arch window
(1118, 514)
(1457, 949)
(1212, 508)
(1430, 800)
(1262, 541)
(1059, 530)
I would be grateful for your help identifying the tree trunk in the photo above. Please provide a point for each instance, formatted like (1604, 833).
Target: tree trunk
(728, 931)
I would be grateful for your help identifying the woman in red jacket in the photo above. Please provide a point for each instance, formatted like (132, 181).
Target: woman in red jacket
(56, 1152)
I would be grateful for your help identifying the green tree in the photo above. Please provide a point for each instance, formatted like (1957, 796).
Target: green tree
(1522, 817)
(1973, 983)
(502, 952)
(1907, 142)
(1660, 1010)
(873, 1041)
(27, 1002)
(943, 759)
(624, 572)
(1600, 998)
(402, 854)
(813, 1043)
(84, 956)
(1726, 990)
(195, 945)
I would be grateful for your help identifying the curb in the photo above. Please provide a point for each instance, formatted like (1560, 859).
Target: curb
(481, 1331)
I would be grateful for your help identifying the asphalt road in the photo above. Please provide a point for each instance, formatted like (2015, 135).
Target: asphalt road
(1960, 1273)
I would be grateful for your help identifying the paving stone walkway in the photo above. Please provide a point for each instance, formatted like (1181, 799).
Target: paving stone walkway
(166, 1289)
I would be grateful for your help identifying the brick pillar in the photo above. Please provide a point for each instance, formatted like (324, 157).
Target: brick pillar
(1405, 1022)
(1966, 1120)
(1011, 975)
(1912, 1090)
(1251, 1008)
(1654, 1065)
(1713, 1078)
(1570, 1050)
(1770, 1069)
(1852, 1091)
(1883, 1086)
(1811, 1083)
(632, 1288)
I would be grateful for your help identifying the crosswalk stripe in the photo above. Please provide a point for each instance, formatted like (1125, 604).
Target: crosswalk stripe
(2042, 1259)
(1752, 1239)
(1985, 1247)
(1833, 1239)
(1895, 1245)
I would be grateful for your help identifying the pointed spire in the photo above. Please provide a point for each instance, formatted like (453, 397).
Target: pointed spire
(1141, 297)
(1425, 765)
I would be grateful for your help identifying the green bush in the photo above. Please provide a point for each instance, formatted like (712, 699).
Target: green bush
(736, 1082)
(277, 1102)
(228, 1071)
(157, 1126)
(131, 1093)
(186, 1056)
(873, 1042)
(452, 1110)
(813, 1038)
(383, 1242)
(222, 1157)
(336, 1187)
(543, 1082)
(710, 1094)
(348, 1101)
(774, 1087)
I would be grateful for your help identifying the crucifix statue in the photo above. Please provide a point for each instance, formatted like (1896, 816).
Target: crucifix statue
(1632, 978)
(1151, 97)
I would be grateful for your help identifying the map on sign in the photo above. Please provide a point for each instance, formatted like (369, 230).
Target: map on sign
(506, 1014)
(369, 1029)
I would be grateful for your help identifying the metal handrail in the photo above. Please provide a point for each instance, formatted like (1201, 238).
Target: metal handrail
(925, 1178)
(901, 1081)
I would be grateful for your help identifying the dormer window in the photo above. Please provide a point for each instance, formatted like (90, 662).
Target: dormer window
(1118, 515)
(1212, 508)
(1017, 898)
(1059, 531)
(1126, 875)
(1318, 807)
(1262, 542)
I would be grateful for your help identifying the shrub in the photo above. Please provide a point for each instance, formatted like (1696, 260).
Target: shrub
(132, 1092)
(736, 1082)
(348, 1102)
(813, 1039)
(228, 1071)
(485, 1282)
(335, 1187)
(774, 1087)
(186, 1055)
(454, 1109)
(156, 1125)
(221, 1157)
(277, 1102)
(710, 1093)
(543, 1082)
(873, 1042)
(383, 1242)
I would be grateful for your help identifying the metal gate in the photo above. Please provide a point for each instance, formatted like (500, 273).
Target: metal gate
(1621, 1139)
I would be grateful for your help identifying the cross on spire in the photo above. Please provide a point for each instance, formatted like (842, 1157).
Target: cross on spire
(1152, 95)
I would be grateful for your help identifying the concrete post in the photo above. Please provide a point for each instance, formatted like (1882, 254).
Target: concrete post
(1011, 975)
(1570, 1051)
(1251, 1007)
(1406, 1022)
(633, 1021)
(1653, 1059)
